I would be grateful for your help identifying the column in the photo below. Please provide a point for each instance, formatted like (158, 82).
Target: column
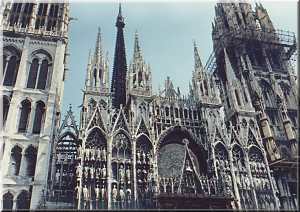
(31, 119)
(250, 176)
(235, 187)
(23, 164)
(134, 168)
(22, 72)
(270, 180)
(109, 170)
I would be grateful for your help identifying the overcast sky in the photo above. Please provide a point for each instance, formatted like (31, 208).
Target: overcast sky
(166, 33)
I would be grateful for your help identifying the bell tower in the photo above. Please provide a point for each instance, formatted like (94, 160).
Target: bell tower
(35, 66)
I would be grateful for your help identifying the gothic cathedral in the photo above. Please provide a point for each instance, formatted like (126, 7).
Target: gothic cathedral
(231, 143)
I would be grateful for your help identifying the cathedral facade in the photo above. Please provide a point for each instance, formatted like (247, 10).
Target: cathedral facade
(230, 143)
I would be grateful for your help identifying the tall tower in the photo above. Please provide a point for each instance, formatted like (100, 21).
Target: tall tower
(118, 84)
(35, 39)
(139, 72)
(253, 63)
(96, 89)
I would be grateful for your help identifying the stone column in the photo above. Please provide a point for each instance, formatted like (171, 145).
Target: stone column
(270, 180)
(235, 187)
(134, 168)
(109, 170)
(23, 163)
(14, 204)
(251, 179)
(22, 71)
(31, 119)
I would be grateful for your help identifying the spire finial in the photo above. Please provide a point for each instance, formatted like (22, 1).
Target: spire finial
(198, 63)
(98, 48)
(137, 49)
(120, 10)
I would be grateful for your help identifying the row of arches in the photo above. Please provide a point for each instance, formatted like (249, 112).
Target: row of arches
(38, 71)
(22, 200)
(25, 115)
(175, 112)
(23, 162)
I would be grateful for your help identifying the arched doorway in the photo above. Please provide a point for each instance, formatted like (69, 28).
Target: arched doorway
(7, 201)
(23, 200)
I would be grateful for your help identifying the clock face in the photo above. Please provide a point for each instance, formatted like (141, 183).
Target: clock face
(170, 160)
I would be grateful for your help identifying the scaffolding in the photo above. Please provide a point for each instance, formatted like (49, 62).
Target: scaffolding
(285, 39)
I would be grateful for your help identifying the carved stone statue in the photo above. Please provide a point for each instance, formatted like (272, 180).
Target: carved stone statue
(138, 157)
(98, 153)
(87, 154)
(114, 193)
(144, 157)
(103, 171)
(104, 154)
(92, 171)
(92, 153)
(97, 192)
(122, 194)
(121, 173)
(102, 192)
(57, 175)
(128, 193)
(128, 174)
(85, 193)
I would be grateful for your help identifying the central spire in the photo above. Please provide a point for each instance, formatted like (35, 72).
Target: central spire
(118, 84)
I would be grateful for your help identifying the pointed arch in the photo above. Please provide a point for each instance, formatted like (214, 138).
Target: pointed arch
(96, 119)
(95, 138)
(142, 128)
(39, 117)
(7, 201)
(24, 116)
(175, 135)
(31, 156)
(6, 105)
(11, 60)
(15, 160)
(23, 200)
(143, 142)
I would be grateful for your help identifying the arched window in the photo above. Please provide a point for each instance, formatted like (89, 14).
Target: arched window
(33, 73)
(30, 156)
(39, 70)
(15, 13)
(5, 109)
(39, 117)
(25, 16)
(43, 74)
(23, 200)
(100, 74)
(185, 113)
(205, 87)
(167, 111)
(237, 97)
(95, 77)
(176, 112)
(7, 199)
(40, 18)
(15, 160)
(24, 117)
(11, 60)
